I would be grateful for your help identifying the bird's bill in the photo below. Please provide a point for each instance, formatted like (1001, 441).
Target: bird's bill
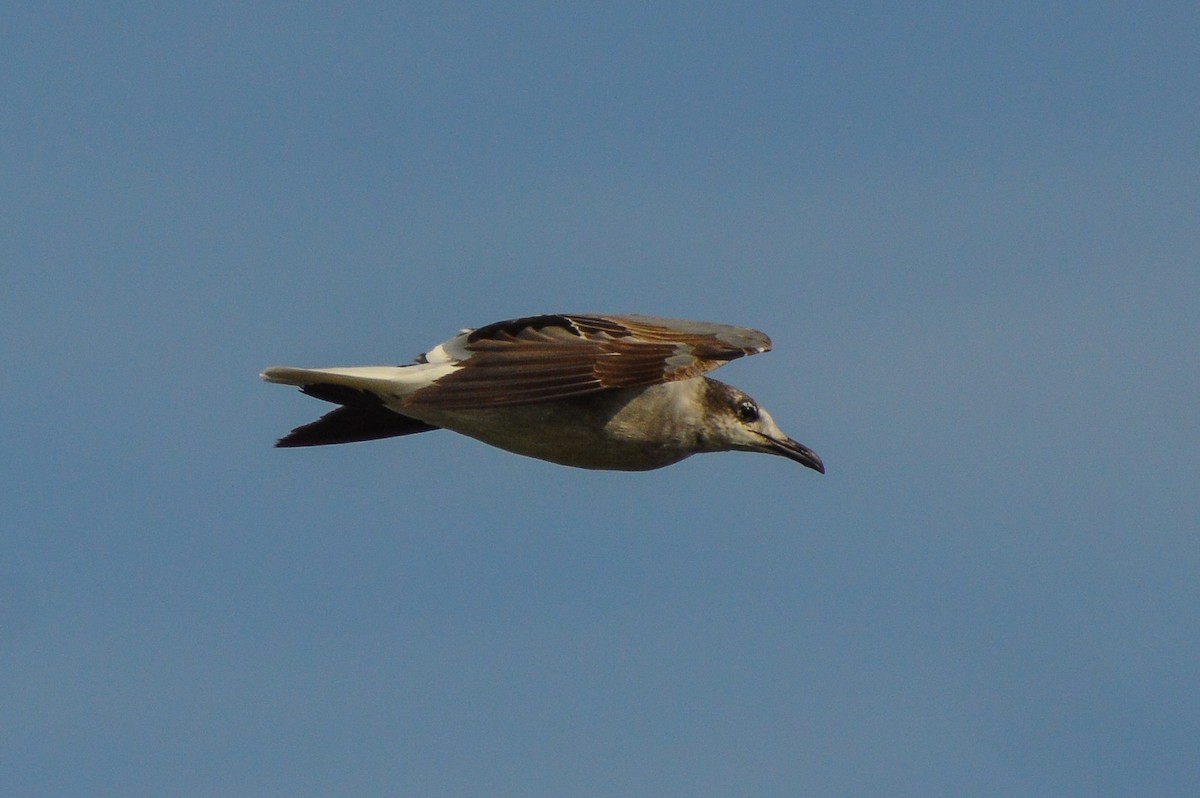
(794, 450)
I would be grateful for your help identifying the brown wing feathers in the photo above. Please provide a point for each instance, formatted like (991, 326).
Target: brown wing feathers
(550, 357)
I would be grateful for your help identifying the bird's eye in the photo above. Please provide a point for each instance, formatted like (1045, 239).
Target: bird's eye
(746, 411)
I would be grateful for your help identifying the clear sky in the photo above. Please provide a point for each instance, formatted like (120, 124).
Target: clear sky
(972, 230)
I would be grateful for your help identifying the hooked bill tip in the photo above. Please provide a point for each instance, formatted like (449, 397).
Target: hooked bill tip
(793, 450)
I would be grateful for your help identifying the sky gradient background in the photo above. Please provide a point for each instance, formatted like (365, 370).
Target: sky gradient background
(972, 232)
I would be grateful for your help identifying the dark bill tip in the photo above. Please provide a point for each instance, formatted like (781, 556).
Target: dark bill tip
(797, 451)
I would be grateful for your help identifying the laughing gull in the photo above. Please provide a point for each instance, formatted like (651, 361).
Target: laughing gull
(624, 393)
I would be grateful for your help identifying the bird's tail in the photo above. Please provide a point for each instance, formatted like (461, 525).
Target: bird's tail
(362, 392)
(375, 379)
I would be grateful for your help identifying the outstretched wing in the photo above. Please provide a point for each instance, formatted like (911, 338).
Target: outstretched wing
(361, 417)
(541, 358)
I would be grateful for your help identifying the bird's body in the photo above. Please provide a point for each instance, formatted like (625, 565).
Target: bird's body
(601, 392)
(605, 430)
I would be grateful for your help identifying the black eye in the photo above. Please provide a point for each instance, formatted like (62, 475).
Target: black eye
(746, 411)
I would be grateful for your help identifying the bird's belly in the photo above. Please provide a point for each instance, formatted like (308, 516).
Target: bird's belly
(579, 436)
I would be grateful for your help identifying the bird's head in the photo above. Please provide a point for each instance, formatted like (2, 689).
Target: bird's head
(741, 425)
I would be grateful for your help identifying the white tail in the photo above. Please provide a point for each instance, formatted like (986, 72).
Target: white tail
(393, 380)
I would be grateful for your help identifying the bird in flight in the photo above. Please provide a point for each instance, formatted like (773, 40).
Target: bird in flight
(624, 393)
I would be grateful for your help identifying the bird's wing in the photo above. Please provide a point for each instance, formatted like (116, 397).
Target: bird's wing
(541, 358)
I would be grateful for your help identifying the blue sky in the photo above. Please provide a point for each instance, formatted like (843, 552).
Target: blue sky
(971, 231)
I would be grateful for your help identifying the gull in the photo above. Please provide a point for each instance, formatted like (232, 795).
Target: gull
(624, 393)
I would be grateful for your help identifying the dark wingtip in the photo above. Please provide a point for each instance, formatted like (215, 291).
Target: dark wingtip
(351, 424)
